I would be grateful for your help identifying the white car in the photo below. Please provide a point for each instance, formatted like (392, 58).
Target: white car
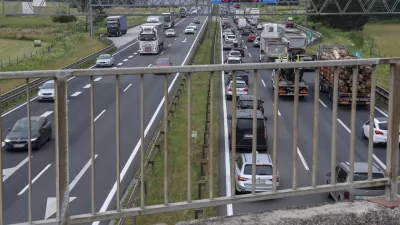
(259, 26)
(234, 53)
(241, 89)
(46, 91)
(231, 37)
(170, 33)
(105, 60)
(189, 30)
(193, 25)
(380, 130)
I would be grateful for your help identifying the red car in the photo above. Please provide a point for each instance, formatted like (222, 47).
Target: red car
(237, 6)
(251, 37)
(162, 62)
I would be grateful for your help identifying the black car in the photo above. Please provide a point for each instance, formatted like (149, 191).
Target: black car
(247, 30)
(246, 102)
(239, 73)
(17, 138)
(244, 129)
(196, 21)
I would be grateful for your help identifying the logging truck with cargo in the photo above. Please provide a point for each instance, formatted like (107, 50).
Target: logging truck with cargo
(286, 77)
(344, 76)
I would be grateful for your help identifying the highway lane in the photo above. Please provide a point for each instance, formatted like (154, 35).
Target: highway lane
(79, 153)
(285, 156)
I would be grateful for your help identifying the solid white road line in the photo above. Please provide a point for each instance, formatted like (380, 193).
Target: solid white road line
(87, 86)
(98, 78)
(76, 94)
(229, 207)
(127, 87)
(97, 117)
(382, 112)
(119, 64)
(46, 114)
(34, 179)
(80, 174)
(263, 82)
(125, 60)
(373, 155)
(10, 171)
(322, 103)
(302, 159)
(135, 150)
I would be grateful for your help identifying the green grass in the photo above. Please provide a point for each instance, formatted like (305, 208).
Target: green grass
(11, 49)
(177, 151)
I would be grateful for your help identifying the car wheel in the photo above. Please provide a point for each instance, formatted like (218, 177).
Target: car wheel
(329, 195)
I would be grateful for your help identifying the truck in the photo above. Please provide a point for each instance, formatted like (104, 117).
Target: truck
(286, 80)
(296, 40)
(271, 45)
(116, 25)
(151, 38)
(289, 23)
(168, 20)
(183, 12)
(156, 19)
(239, 13)
(254, 13)
(326, 75)
(241, 23)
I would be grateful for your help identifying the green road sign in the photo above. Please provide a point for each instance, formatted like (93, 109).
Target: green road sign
(309, 35)
(357, 53)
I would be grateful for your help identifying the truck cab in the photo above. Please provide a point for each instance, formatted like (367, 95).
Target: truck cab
(289, 23)
(116, 26)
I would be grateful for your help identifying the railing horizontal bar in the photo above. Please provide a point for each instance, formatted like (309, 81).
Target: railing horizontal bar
(204, 203)
(196, 68)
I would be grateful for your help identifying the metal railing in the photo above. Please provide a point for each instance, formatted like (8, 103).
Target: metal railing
(62, 148)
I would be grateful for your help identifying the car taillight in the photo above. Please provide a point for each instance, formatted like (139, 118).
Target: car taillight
(246, 89)
(260, 108)
(238, 107)
(240, 178)
(378, 132)
(265, 133)
(277, 179)
(229, 89)
(346, 195)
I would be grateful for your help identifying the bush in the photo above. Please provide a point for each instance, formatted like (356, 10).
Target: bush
(64, 18)
(99, 16)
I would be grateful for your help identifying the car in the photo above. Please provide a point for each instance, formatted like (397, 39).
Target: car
(189, 30)
(247, 30)
(105, 60)
(243, 173)
(380, 130)
(253, 23)
(240, 49)
(163, 62)
(227, 45)
(256, 42)
(259, 26)
(244, 130)
(360, 174)
(233, 60)
(234, 53)
(46, 91)
(226, 33)
(289, 23)
(17, 138)
(196, 21)
(170, 33)
(240, 74)
(231, 37)
(246, 102)
(193, 25)
(251, 37)
(194, 12)
(241, 89)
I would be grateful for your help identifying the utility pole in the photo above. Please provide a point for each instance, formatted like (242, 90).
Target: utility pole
(306, 10)
(91, 23)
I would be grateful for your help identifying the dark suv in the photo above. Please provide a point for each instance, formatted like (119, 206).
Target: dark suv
(244, 129)
(246, 102)
(239, 73)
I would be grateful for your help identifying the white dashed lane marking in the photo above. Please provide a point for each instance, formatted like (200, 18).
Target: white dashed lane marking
(76, 94)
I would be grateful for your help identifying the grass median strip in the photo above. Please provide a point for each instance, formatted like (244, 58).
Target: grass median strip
(177, 151)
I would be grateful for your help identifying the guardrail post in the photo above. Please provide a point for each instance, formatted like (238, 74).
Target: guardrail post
(62, 158)
(393, 139)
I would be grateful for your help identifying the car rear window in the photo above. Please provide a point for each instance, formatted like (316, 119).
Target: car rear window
(239, 85)
(248, 103)
(260, 169)
(383, 126)
(364, 176)
(233, 61)
(247, 124)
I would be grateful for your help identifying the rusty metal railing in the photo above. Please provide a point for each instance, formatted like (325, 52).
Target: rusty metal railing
(62, 148)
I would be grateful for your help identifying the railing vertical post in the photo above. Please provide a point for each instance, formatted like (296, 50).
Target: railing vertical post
(62, 158)
(393, 131)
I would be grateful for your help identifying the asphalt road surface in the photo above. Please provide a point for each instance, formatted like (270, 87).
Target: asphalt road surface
(285, 140)
(43, 165)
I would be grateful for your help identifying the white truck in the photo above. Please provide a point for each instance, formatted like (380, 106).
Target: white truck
(271, 45)
(151, 38)
(239, 13)
(156, 19)
(168, 20)
(242, 23)
(297, 41)
(254, 13)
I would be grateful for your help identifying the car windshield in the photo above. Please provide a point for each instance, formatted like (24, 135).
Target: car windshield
(106, 56)
(233, 61)
(239, 85)
(245, 124)
(171, 30)
(22, 125)
(147, 37)
(260, 169)
(231, 36)
(383, 126)
(234, 53)
(228, 42)
(364, 176)
(162, 61)
(48, 85)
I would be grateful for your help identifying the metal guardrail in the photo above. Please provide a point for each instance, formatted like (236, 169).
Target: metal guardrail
(19, 91)
(62, 149)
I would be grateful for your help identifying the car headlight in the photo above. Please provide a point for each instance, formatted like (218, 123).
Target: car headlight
(33, 139)
(7, 140)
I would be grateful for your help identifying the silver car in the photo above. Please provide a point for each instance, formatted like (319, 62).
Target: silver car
(105, 60)
(189, 30)
(46, 91)
(228, 45)
(234, 53)
(360, 174)
(241, 89)
(243, 173)
(170, 33)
